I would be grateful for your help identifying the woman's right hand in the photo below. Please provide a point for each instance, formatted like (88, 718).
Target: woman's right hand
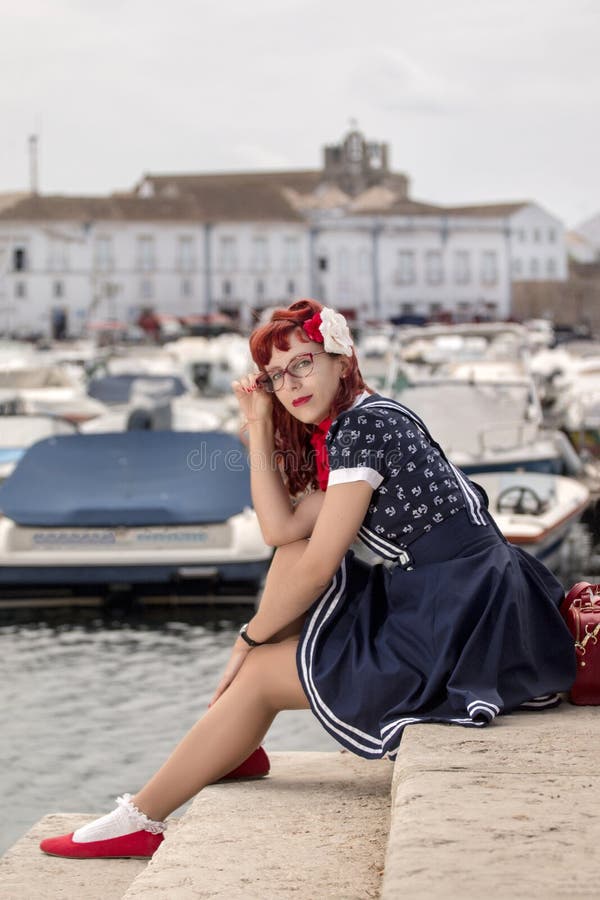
(255, 404)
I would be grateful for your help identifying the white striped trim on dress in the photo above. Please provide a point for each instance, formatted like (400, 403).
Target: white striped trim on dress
(471, 496)
(483, 708)
(346, 732)
(544, 701)
(379, 544)
(466, 723)
(399, 726)
(321, 709)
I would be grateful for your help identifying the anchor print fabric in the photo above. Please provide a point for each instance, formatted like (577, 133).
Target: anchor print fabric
(414, 486)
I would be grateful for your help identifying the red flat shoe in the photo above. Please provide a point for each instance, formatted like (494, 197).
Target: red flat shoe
(137, 845)
(256, 766)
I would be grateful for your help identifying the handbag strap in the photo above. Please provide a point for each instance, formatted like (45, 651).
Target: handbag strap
(588, 636)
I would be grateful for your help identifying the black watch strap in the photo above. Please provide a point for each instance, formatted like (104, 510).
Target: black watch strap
(246, 637)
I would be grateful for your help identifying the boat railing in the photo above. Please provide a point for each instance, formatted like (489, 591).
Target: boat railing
(520, 433)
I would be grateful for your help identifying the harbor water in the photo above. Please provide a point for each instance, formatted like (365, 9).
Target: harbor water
(91, 706)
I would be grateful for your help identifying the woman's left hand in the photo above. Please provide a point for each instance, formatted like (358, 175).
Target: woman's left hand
(236, 661)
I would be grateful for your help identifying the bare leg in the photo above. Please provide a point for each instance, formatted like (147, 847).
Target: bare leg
(267, 683)
(231, 729)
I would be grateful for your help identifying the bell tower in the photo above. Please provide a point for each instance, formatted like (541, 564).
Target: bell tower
(356, 164)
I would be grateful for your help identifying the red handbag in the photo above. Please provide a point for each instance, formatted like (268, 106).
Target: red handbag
(581, 612)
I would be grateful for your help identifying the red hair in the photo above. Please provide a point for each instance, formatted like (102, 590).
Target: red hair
(292, 437)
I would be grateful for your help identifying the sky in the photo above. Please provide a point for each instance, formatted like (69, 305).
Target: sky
(479, 100)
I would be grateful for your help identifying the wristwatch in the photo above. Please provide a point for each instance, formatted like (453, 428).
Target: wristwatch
(246, 637)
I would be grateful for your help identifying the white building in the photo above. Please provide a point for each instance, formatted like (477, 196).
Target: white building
(583, 243)
(348, 235)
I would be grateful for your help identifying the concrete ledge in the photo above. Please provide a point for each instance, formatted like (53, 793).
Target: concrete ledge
(28, 874)
(510, 811)
(317, 827)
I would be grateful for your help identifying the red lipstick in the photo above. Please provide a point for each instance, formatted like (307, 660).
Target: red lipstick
(300, 400)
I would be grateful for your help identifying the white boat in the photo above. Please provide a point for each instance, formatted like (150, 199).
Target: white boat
(491, 426)
(158, 402)
(48, 390)
(492, 351)
(152, 508)
(569, 382)
(17, 433)
(535, 511)
(213, 363)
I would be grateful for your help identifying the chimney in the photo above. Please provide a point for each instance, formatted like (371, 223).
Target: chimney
(33, 163)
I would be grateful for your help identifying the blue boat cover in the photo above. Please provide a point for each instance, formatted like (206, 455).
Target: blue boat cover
(131, 478)
(115, 389)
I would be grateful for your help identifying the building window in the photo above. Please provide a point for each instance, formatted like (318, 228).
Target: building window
(434, 272)
(58, 260)
(537, 235)
(187, 287)
(291, 254)
(146, 257)
(534, 267)
(291, 288)
(322, 263)
(551, 268)
(185, 253)
(20, 260)
(520, 235)
(20, 289)
(407, 309)
(343, 261)
(462, 267)
(489, 267)
(406, 267)
(517, 267)
(58, 289)
(260, 248)
(228, 253)
(226, 289)
(552, 235)
(146, 289)
(260, 289)
(103, 256)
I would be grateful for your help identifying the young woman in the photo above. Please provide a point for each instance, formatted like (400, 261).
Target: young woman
(454, 624)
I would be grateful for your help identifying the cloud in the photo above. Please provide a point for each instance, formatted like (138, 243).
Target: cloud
(255, 156)
(393, 82)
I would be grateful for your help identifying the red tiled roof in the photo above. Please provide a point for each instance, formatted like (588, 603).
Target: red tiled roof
(36, 207)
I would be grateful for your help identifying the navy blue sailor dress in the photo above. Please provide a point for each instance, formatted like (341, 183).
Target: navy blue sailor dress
(454, 624)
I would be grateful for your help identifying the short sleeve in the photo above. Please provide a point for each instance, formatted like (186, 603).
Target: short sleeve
(356, 446)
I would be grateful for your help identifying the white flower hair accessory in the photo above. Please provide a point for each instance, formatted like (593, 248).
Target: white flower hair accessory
(330, 328)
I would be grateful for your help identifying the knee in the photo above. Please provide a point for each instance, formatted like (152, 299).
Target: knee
(259, 675)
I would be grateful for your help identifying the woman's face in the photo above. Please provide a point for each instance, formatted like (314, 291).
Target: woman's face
(308, 398)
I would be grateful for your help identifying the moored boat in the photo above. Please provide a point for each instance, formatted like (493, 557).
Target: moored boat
(158, 507)
(535, 511)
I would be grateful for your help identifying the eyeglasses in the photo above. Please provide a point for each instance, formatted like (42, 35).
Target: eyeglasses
(298, 367)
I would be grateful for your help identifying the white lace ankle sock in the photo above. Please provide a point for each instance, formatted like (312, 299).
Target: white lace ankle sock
(125, 819)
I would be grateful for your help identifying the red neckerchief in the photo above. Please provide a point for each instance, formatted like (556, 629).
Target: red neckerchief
(321, 458)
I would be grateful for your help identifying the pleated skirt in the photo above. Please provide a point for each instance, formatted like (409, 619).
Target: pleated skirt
(471, 632)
